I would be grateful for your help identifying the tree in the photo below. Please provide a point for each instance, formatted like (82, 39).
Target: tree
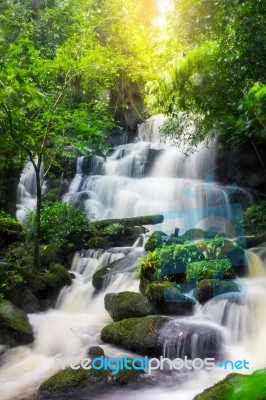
(218, 79)
(37, 110)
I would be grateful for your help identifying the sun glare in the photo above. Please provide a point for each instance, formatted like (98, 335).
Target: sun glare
(164, 7)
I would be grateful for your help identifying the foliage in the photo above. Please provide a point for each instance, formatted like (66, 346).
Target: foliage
(113, 230)
(255, 217)
(61, 223)
(209, 269)
(217, 77)
(166, 261)
(9, 222)
(10, 276)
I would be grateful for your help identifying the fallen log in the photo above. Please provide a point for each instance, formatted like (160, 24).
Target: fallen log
(253, 241)
(134, 221)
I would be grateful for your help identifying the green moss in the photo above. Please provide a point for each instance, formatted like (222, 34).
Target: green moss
(237, 387)
(208, 269)
(208, 288)
(155, 291)
(127, 305)
(135, 334)
(68, 380)
(14, 325)
(126, 377)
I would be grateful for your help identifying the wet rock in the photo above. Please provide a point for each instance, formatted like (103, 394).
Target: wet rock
(15, 328)
(208, 288)
(127, 305)
(140, 335)
(95, 352)
(167, 298)
(156, 336)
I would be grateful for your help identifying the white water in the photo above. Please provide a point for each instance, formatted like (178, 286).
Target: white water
(26, 193)
(121, 187)
(148, 177)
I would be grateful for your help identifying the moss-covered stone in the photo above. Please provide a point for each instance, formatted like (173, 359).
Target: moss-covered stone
(70, 379)
(237, 387)
(127, 305)
(126, 377)
(208, 288)
(168, 299)
(141, 335)
(14, 325)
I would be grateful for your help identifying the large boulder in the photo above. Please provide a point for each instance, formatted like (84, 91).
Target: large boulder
(127, 305)
(156, 336)
(125, 264)
(209, 288)
(15, 328)
(141, 335)
(167, 298)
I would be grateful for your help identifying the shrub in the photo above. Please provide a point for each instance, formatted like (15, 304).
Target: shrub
(62, 223)
(209, 269)
(255, 217)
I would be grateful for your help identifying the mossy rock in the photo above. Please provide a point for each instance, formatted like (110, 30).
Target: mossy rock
(168, 299)
(126, 377)
(15, 328)
(208, 288)
(56, 276)
(100, 275)
(237, 387)
(70, 379)
(141, 335)
(127, 305)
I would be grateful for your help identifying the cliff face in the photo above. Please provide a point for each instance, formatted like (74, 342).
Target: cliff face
(242, 166)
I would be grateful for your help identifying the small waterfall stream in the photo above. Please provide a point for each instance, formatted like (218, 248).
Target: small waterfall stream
(141, 178)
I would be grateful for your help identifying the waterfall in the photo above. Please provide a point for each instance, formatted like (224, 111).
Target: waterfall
(149, 177)
(26, 193)
(141, 178)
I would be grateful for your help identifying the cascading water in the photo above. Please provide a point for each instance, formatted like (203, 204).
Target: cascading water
(26, 193)
(144, 178)
(138, 179)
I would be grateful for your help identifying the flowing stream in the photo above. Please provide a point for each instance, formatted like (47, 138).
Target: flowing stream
(143, 178)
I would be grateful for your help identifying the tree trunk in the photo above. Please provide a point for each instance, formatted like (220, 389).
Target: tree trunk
(37, 227)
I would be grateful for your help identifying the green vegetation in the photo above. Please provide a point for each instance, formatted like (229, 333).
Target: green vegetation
(127, 305)
(255, 218)
(63, 224)
(14, 325)
(236, 387)
(210, 269)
